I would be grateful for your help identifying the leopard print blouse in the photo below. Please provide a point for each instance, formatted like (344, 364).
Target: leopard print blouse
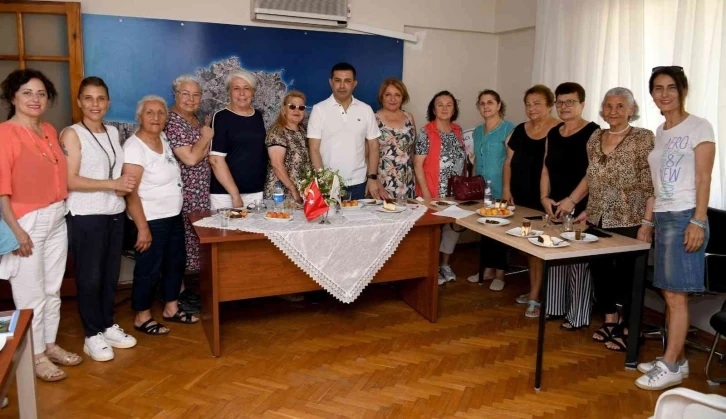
(620, 182)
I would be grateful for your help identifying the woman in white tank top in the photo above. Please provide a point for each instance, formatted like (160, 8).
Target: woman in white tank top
(96, 220)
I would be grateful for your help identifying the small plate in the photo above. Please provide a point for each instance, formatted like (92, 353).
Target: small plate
(517, 232)
(278, 220)
(369, 201)
(499, 221)
(557, 242)
(359, 206)
(586, 238)
(441, 202)
(498, 215)
(398, 209)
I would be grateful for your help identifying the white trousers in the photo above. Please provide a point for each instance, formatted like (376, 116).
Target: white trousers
(39, 277)
(219, 201)
(449, 238)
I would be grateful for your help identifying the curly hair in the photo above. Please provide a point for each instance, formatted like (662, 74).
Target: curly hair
(431, 116)
(541, 89)
(16, 79)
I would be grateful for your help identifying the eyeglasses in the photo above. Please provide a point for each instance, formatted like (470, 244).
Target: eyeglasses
(568, 103)
(675, 68)
(188, 95)
(292, 107)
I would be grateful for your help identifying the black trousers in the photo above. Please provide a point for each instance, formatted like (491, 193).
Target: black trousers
(96, 244)
(495, 254)
(613, 277)
(165, 258)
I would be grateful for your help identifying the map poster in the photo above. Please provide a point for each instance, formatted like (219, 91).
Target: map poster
(138, 57)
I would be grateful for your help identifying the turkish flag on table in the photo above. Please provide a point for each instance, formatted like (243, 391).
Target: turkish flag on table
(315, 205)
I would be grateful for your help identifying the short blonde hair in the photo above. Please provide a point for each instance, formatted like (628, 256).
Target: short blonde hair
(398, 84)
(281, 120)
(244, 75)
(149, 98)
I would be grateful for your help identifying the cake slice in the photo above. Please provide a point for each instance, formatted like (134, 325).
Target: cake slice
(388, 206)
(545, 239)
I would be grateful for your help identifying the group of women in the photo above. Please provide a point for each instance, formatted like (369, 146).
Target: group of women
(622, 179)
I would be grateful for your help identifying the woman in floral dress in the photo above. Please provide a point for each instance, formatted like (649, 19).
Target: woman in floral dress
(398, 135)
(190, 141)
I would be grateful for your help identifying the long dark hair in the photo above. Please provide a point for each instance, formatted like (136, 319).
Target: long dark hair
(17, 78)
(677, 74)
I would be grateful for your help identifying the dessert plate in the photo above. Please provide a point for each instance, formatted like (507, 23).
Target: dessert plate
(586, 238)
(517, 232)
(493, 221)
(556, 242)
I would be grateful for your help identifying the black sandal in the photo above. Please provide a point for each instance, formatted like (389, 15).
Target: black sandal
(153, 329)
(181, 317)
(622, 346)
(571, 328)
(605, 332)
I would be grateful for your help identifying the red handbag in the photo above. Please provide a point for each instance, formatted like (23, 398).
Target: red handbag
(466, 188)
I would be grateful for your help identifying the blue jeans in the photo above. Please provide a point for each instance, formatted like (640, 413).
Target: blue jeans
(165, 258)
(356, 191)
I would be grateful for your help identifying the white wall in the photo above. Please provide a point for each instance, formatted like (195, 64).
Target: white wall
(514, 70)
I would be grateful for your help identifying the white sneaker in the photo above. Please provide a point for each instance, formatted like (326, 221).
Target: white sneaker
(97, 348)
(647, 366)
(446, 272)
(116, 337)
(442, 280)
(659, 377)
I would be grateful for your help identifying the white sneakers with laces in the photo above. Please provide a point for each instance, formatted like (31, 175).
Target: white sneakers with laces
(447, 273)
(647, 366)
(117, 338)
(97, 348)
(660, 377)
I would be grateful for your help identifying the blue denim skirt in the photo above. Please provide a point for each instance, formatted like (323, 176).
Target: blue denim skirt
(675, 269)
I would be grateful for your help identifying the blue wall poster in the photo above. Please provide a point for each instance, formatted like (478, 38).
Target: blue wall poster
(140, 56)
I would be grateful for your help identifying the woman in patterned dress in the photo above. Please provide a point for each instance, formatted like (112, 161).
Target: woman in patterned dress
(398, 135)
(287, 147)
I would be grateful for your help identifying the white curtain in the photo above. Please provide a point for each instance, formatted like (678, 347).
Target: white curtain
(603, 44)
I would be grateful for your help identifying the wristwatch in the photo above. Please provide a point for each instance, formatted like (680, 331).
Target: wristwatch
(373, 176)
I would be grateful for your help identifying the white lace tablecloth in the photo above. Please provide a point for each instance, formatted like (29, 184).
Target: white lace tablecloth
(342, 257)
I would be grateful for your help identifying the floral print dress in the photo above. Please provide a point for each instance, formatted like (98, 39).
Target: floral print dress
(395, 168)
(181, 133)
(297, 159)
(452, 156)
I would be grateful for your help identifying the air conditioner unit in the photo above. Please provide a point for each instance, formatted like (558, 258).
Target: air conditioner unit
(329, 13)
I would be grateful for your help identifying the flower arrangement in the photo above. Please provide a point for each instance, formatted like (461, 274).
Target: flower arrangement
(325, 183)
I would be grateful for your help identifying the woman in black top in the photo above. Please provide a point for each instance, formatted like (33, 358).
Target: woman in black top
(522, 171)
(238, 153)
(570, 286)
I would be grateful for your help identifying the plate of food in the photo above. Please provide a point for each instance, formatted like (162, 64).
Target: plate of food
(235, 212)
(495, 212)
(349, 205)
(442, 203)
(492, 221)
(393, 208)
(584, 237)
(370, 201)
(517, 231)
(545, 240)
(278, 216)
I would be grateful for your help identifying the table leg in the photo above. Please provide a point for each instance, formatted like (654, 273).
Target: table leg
(482, 240)
(423, 294)
(209, 289)
(636, 311)
(541, 331)
(25, 377)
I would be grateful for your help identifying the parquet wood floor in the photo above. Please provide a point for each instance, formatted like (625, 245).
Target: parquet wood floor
(375, 358)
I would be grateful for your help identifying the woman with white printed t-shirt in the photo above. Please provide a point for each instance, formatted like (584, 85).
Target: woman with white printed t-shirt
(155, 207)
(681, 164)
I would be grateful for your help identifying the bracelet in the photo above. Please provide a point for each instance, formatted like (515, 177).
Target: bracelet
(573, 201)
(698, 223)
(647, 223)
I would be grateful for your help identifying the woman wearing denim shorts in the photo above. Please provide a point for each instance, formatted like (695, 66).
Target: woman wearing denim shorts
(681, 164)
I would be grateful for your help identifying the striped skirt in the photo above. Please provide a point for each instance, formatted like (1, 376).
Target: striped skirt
(569, 293)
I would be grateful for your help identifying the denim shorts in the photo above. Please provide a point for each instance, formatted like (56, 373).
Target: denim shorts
(675, 269)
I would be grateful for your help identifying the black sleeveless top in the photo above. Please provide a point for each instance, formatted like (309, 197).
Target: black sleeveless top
(567, 162)
(526, 168)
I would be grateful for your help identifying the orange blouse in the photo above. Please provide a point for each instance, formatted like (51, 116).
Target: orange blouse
(32, 180)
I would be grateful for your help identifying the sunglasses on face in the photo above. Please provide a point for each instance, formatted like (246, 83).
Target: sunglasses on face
(292, 107)
(675, 68)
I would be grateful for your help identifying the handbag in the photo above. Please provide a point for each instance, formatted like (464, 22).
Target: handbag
(466, 187)
(8, 242)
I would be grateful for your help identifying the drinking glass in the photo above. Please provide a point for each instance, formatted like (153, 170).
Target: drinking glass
(567, 225)
(547, 221)
(526, 227)
(225, 218)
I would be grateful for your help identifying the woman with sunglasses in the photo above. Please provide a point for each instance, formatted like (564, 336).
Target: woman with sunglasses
(620, 200)
(681, 164)
(287, 148)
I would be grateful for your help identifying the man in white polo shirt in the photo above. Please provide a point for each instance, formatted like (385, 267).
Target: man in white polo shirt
(338, 130)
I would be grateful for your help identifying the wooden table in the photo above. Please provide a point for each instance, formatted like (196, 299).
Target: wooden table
(16, 359)
(575, 253)
(236, 265)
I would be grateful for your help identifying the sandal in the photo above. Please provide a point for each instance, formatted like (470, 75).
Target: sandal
(523, 299)
(571, 328)
(60, 356)
(152, 329)
(533, 309)
(496, 285)
(47, 371)
(622, 344)
(605, 332)
(181, 317)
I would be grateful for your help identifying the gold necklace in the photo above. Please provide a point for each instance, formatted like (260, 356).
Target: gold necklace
(50, 146)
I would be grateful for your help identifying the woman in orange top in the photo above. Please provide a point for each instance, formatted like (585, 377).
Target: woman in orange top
(33, 189)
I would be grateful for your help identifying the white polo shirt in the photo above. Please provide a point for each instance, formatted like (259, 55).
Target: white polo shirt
(342, 136)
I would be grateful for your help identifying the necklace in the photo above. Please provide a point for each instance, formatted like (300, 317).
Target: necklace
(50, 146)
(627, 127)
(110, 144)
